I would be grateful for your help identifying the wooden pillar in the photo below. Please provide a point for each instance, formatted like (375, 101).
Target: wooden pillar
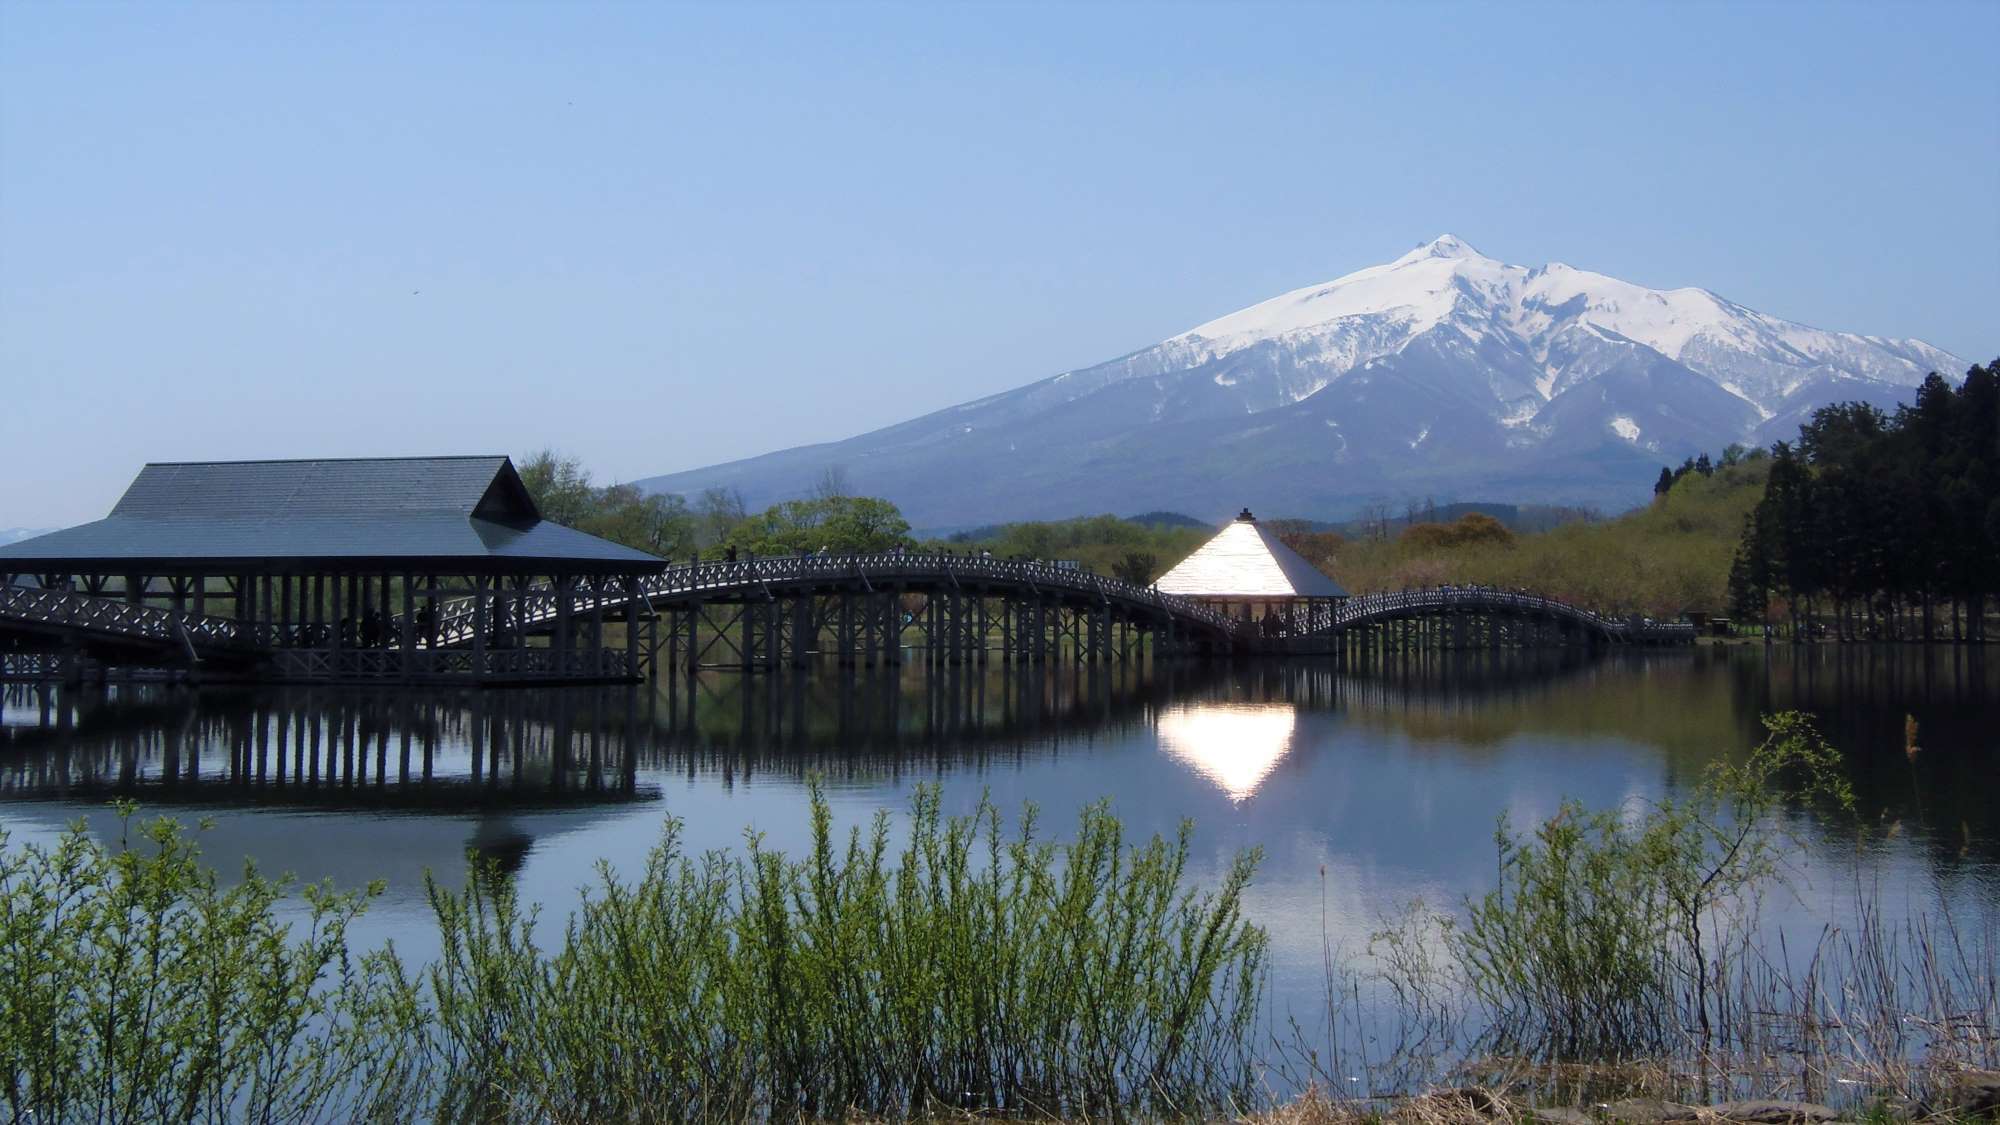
(481, 621)
(565, 589)
(284, 619)
(334, 615)
(407, 636)
(630, 586)
(695, 647)
(802, 630)
(600, 587)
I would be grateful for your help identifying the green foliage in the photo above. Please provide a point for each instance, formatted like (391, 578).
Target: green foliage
(657, 523)
(970, 968)
(662, 523)
(973, 969)
(1105, 544)
(840, 524)
(1667, 558)
(132, 987)
(1868, 511)
(1609, 930)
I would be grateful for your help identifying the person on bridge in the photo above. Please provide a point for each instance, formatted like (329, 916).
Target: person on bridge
(729, 553)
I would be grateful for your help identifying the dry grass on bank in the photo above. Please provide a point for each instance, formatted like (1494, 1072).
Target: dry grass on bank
(1669, 557)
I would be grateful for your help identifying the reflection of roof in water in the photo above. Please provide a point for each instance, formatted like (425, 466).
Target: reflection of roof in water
(330, 750)
(1234, 745)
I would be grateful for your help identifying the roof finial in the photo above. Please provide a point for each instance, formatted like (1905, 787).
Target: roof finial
(1246, 517)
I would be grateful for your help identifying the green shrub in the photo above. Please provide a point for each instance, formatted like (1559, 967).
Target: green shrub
(1609, 932)
(133, 988)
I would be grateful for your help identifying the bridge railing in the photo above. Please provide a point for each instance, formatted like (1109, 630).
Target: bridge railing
(1432, 598)
(69, 609)
(538, 604)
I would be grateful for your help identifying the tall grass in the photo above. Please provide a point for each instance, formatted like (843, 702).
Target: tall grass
(962, 966)
(973, 969)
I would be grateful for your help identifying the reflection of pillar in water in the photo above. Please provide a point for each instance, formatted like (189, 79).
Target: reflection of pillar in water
(844, 705)
(797, 704)
(635, 737)
(476, 730)
(496, 841)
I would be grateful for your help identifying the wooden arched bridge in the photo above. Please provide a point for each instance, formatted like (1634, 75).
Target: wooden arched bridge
(1488, 617)
(759, 614)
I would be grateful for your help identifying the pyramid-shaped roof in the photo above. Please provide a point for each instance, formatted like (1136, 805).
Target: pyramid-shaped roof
(1245, 560)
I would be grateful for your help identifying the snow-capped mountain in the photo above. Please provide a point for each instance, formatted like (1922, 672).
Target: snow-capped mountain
(1443, 373)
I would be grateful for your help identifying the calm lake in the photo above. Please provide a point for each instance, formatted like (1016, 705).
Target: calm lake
(1366, 791)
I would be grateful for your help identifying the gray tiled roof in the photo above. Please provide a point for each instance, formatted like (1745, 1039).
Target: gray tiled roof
(443, 511)
(238, 489)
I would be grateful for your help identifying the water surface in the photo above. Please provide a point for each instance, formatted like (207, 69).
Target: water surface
(1366, 791)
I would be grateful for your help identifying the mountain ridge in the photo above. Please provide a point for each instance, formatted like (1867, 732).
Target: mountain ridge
(1440, 373)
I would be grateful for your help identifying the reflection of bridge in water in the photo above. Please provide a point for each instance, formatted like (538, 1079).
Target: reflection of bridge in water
(360, 749)
(333, 749)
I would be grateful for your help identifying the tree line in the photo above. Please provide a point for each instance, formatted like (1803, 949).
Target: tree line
(716, 523)
(1876, 525)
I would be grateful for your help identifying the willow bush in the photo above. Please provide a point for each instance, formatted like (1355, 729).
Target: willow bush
(973, 968)
(1610, 932)
(134, 988)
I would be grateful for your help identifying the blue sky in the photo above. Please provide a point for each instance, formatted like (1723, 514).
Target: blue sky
(660, 237)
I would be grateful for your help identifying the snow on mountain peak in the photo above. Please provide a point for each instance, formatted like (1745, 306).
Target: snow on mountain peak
(1340, 325)
(1443, 246)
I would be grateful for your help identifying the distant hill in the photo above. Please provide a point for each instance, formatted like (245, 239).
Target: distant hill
(1444, 373)
(16, 534)
(1169, 519)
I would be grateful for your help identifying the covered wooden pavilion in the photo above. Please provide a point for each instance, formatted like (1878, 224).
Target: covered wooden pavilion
(1249, 573)
(344, 569)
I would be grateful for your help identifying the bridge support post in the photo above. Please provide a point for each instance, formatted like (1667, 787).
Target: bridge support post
(803, 640)
(480, 622)
(693, 637)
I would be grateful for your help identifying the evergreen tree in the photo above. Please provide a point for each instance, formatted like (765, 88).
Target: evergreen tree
(1883, 518)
